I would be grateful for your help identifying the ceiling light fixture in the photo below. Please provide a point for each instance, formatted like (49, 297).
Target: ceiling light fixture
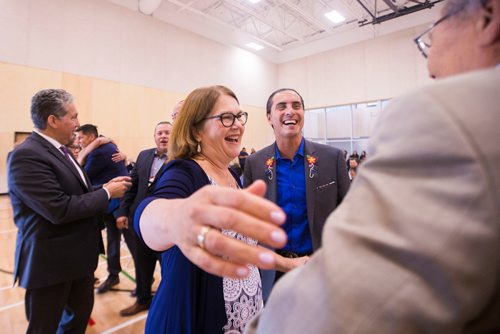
(335, 17)
(254, 1)
(254, 46)
(148, 7)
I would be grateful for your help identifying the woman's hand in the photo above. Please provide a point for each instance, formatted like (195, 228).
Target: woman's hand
(194, 224)
(84, 152)
(118, 156)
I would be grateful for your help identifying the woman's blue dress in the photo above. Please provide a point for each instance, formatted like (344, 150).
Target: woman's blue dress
(188, 299)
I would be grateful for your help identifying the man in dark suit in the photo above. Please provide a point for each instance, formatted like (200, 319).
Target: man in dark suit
(147, 165)
(55, 209)
(306, 179)
(101, 168)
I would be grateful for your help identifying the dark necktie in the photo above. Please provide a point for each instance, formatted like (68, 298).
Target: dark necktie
(65, 151)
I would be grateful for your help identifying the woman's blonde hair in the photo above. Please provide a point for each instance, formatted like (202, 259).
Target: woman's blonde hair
(189, 123)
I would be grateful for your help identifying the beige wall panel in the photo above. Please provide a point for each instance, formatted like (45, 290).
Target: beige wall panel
(336, 77)
(391, 65)
(380, 68)
(18, 84)
(130, 107)
(6, 145)
(294, 75)
(258, 133)
(105, 111)
(127, 113)
(99, 39)
(81, 88)
(151, 109)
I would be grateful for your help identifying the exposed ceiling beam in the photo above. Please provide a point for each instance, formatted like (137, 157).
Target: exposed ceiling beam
(256, 16)
(306, 17)
(391, 5)
(212, 18)
(366, 9)
(401, 12)
(187, 5)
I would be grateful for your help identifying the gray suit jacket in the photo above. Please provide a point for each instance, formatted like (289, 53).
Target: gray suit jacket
(140, 183)
(324, 190)
(415, 245)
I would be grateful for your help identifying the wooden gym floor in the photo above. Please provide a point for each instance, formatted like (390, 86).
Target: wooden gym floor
(106, 306)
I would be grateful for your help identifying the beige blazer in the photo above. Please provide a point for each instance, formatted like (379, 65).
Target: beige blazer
(415, 245)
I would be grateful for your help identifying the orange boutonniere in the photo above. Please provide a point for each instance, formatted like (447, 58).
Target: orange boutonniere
(311, 162)
(270, 167)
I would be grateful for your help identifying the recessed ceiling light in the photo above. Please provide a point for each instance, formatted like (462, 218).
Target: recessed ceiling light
(254, 1)
(335, 16)
(254, 46)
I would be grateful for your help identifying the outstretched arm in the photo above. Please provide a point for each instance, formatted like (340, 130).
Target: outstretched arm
(183, 222)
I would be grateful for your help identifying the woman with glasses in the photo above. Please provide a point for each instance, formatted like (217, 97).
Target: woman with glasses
(206, 137)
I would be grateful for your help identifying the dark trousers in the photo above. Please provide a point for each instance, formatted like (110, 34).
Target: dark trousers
(60, 308)
(144, 270)
(113, 238)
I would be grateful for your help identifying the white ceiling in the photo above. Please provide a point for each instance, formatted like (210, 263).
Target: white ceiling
(288, 29)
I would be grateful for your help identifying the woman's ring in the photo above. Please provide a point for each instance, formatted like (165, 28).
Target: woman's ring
(200, 237)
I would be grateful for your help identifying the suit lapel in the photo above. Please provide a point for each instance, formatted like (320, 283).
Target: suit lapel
(148, 162)
(311, 182)
(270, 176)
(58, 155)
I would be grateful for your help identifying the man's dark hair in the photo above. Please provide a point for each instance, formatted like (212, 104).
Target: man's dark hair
(88, 129)
(269, 104)
(49, 102)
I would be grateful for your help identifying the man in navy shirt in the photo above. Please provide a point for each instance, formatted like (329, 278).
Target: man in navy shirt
(100, 168)
(306, 179)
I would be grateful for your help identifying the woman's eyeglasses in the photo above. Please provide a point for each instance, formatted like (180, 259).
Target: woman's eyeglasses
(227, 118)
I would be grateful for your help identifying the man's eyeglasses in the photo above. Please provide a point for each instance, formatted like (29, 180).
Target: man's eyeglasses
(227, 118)
(424, 41)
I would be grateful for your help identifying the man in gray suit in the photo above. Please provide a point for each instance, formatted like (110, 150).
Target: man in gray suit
(417, 250)
(306, 179)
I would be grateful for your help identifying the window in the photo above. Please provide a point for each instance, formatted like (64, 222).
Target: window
(347, 127)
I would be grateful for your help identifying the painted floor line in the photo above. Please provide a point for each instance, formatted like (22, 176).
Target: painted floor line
(7, 287)
(5, 308)
(121, 258)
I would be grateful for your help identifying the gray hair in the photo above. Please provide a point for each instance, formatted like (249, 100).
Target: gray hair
(462, 7)
(49, 102)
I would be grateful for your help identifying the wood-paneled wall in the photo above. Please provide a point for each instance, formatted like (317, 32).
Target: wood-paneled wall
(127, 113)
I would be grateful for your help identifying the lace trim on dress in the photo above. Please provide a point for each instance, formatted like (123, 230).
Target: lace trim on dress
(242, 297)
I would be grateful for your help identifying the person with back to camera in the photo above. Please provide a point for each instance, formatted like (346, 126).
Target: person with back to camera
(415, 245)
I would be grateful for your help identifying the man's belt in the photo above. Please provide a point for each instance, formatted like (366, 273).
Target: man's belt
(290, 254)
